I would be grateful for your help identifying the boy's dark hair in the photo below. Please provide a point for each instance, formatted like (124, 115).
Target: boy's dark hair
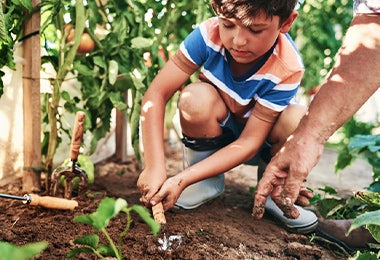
(244, 10)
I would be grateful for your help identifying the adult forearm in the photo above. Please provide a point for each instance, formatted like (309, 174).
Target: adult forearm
(352, 81)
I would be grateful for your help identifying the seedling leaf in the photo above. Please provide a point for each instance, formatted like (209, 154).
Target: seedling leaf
(25, 252)
(88, 240)
(364, 256)
(76, 251)
(145, 215)
(84, 219)
(106, 250)
(367, 218)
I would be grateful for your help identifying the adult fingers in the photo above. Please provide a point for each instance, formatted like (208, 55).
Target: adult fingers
(304, 197)
(265, 186)
(291, 191)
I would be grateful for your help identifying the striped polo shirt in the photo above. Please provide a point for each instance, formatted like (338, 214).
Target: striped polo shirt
(264, 91)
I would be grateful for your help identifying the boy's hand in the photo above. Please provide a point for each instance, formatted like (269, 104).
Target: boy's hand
(149, 183)
(169, 192)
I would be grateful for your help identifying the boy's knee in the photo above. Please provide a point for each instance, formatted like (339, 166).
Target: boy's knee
(292, 115)
(286, 124)
(197, 102)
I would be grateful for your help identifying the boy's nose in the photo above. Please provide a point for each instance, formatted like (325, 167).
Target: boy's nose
(239, 38)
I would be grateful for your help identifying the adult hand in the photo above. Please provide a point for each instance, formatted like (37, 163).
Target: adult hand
(285, 175)
(149, 183)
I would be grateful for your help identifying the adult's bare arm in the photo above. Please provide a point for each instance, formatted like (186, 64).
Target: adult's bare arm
(352, 81)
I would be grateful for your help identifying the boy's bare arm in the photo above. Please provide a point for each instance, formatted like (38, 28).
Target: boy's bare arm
(352, 81)
(166, 83)
(239, 151)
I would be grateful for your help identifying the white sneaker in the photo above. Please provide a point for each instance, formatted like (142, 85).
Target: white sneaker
(200, 192)
(307, 221)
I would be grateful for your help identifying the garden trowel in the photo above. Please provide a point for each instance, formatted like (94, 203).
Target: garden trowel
(72, 170)
(43, 201)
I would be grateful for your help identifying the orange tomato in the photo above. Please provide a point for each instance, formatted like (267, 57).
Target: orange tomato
(86, 45)
(69, 31)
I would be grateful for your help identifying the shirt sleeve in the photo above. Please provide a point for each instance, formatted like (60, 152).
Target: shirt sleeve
(192, 52)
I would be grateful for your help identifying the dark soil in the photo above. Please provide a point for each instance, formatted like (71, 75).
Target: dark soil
(220, 229)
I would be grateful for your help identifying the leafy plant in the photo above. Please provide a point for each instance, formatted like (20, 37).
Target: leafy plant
(368, 147)
(10, 251)
(350, 129)
(13, 14)
(330, 206)
(99, 220)
(318, 31)
(123, 32)
(370, 219)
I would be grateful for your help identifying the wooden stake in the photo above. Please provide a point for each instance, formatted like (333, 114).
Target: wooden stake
(32, 103)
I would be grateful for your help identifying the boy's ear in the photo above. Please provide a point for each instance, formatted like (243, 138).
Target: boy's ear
(285, 27)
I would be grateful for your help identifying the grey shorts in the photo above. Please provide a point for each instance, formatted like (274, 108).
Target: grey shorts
(367, 6)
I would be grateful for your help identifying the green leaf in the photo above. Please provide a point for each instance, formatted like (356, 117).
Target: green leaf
(117, 100)
(367, 218)
(141, 43)
(113, 71)
(84, 219)
(119, 205)
(83, 69)
(9, 251)
(88, 166)
(364, 256)
(88, 240)
(328, 189)
(146, 216)
(106, 250)
(370, 198)
(27, 4)
(360, 142)
(103, 214)
(79, 250)
(99, 61)
(107, 209)
(375, 231)
(65, 95)
(3, 30)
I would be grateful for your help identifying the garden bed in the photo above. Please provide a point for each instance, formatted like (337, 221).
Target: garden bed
(221, 229)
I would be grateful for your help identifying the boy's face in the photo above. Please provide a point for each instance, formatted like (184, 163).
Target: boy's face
(247, 44)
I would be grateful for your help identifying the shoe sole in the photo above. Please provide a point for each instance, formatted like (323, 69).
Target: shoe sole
(306, 229)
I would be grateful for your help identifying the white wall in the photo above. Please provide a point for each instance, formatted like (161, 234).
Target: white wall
(11, 118)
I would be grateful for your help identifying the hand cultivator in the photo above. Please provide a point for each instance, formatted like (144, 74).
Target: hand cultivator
(43, 201)
(73, 170)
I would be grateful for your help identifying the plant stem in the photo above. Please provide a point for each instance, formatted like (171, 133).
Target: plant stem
(127, 226)
(112, 244)
(64, 67)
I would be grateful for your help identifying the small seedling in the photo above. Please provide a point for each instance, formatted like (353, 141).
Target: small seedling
(109, 208)
(10, 251)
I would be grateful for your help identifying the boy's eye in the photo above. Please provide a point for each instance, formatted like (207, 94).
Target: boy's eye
(228, 25)
(255, 31)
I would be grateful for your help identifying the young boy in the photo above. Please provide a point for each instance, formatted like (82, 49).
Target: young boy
(241, 109)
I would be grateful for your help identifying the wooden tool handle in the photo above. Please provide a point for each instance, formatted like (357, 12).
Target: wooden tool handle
(52, 202)
(76, 139)
(158, 213)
